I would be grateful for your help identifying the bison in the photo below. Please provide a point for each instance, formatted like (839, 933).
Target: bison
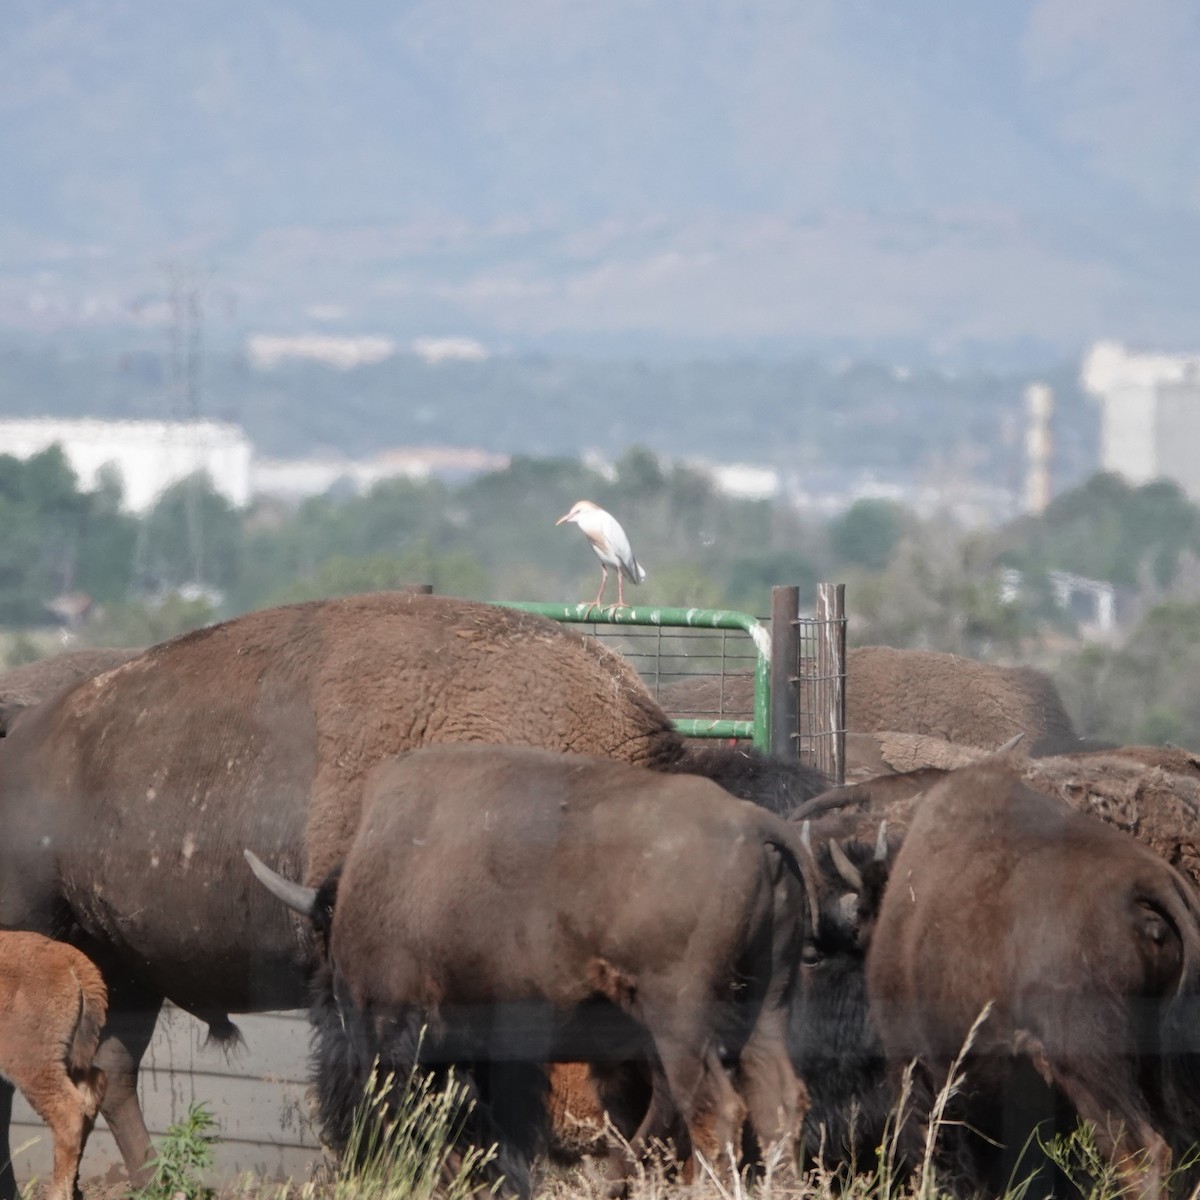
(23, 687)
(1086, 947)
(1149, 793)
(959, 699)
(52, 1006)
(903, 706)
(531, 907)
(125, 801)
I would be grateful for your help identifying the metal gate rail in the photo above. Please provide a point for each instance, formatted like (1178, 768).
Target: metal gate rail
(756, 730)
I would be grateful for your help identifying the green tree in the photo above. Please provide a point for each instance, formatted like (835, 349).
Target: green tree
(107, 542)
(1108, 529)
(451, 574)
(748, 580)
(41, 518)
(193, 535)
(941, 591)
(145, 622)
(867, 533)
(1145, 691)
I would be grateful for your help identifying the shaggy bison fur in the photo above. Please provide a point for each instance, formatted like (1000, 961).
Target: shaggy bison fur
(24, 686)
(1148, 793)
(528, 907)
(1083, 949)
(125, 801)
(52, 1007)
(959, 699)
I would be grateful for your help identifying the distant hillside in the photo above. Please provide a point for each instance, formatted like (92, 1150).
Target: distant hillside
(983, 184)
(823, 424)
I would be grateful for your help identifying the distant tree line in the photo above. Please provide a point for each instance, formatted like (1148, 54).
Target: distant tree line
(816, 420)
(193, 558)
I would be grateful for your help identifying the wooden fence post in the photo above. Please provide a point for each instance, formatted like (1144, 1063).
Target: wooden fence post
(785, 662)
(831, 668)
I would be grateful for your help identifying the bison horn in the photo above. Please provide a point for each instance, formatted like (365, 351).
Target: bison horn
(296, 896)
(845, 868)
(1010, 744)
(881, 846)
(806, 836)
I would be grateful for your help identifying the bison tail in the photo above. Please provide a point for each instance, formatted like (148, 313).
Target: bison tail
(343, 1060)
(93, 1009)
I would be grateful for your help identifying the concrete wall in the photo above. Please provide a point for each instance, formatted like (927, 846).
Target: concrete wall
(258, 1095)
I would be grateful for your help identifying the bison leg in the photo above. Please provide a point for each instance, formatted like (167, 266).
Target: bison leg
(716, 1119)
(59, 1103)
(8, 1180)
(132, 1015)
(776, 1099)
(692, 1101)
(584, 1098)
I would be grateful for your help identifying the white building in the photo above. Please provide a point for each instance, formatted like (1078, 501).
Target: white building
(295, 478)
(148, 455)
(1151, 413)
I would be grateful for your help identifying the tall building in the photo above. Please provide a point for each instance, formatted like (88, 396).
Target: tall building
(149, 456)
(1039, 412)
(1150, 424)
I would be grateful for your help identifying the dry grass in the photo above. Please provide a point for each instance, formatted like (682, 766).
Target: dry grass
(411, 1161)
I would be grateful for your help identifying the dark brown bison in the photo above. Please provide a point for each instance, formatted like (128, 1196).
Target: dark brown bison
(52, 1006)
(1149, 793)
(24, 686)
(530, 907)
(1152, 793)
(125, 801)
(833, 1047)
(1082, 946)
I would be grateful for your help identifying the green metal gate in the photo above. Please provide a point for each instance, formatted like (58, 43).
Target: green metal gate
(725, 674)
(673, 646)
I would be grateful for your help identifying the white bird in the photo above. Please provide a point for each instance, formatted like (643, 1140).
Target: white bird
(611, 545)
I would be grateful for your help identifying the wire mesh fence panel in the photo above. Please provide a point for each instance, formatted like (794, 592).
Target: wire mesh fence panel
(707, 668)
(712, 670)
(690, 672)
(820, 682)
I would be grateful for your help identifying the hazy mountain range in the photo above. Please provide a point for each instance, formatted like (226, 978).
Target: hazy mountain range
(987, 182)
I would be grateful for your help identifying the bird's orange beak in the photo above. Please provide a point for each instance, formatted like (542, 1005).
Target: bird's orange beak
(562, 518)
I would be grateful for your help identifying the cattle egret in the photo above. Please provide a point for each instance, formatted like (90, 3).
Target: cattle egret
(611, 545)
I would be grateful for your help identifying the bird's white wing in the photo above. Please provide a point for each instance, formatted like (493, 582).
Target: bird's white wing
(618, 545)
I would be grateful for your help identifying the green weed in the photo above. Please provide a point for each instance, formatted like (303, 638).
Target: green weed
(186, 1150)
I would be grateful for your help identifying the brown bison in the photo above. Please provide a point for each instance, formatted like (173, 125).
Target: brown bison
(530, 907)
(913, 702)
(125, 801)
(1152, 794)
(960, 699)
(24, 686)
(1082, 946)
(52, 1006)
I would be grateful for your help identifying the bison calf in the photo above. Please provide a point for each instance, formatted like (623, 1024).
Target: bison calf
(52, 1006)
(530, 907)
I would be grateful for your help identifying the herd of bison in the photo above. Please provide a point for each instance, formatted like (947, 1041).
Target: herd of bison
(469, 838)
